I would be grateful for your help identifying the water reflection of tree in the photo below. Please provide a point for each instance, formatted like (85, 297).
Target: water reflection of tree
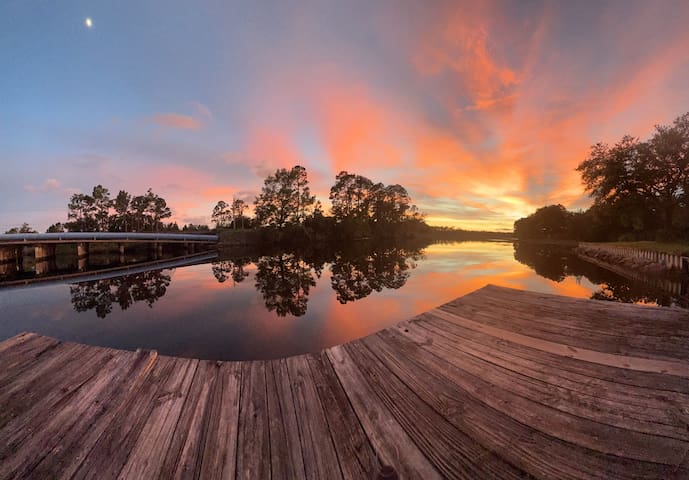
(557, 262)
(285, 280)
(233, 269)
(100, 295)
(357, 275)
(546, 260)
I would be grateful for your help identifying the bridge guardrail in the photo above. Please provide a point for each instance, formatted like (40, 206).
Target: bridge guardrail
(9, 238)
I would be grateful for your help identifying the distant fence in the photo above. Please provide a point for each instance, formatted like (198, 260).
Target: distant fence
(667, 261)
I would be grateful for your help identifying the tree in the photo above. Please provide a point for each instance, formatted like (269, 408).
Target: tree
(191, 228)
(121, 220)
(25, 228)
(56, 228)
(148, 211)
(157, 209)
(285, 198)
(221, 214)
(98, 212)
(669, 167)
(101, 207)
(138, 206)
(238, 207)
(644, 184)
(550, 222)
(361, 208)
(390, 204)
(81, 213)
(351, 196)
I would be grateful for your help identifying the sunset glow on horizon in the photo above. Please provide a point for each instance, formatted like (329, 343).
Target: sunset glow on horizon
(482, 110)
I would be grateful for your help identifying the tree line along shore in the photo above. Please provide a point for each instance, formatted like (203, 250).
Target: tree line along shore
(285, 212)
(640, 192)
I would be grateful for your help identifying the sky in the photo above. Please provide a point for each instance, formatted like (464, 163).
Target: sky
(482, 110)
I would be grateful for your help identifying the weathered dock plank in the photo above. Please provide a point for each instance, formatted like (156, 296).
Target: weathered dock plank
(184, 458)
(253, 455)
(354, 451)
(497, 384)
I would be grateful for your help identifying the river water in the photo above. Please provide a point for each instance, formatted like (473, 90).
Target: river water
(270, 306)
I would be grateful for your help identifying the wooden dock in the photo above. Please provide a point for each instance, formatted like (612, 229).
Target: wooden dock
(497, 384)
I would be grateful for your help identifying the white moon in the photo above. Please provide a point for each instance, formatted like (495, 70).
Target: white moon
(88, 22)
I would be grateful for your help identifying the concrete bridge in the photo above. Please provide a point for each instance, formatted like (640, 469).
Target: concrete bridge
(41, 246)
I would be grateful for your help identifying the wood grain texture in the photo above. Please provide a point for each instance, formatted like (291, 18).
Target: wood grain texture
(253, 453)
(496, 384)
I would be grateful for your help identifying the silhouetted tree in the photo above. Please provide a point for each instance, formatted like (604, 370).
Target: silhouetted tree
(285, 198)
(238, 207)
(81, 214)
(101, 207)
(171, 227)
(148, 211)
(25, 228)
(551, 222)
(361, 208)
(97, 212)
(56, 228)
(645, 184)
(121, 221)
(191, 228)
(391, 204)
(221, 214)
(351, 197)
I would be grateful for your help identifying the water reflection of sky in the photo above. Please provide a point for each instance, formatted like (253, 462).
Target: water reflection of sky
(201, 317)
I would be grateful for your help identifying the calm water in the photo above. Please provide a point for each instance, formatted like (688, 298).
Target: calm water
(285, 304)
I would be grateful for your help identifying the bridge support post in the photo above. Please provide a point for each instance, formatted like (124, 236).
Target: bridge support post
(44, 256)
(8, 255)
(121, 246)
(82, 249)
(44, 251)
(19, 259)
(9, 259)
(154, 250)
(44, 265)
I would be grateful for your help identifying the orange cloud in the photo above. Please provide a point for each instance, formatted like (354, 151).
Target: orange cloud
(460, 43)
(357, 127)
(266, 150)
